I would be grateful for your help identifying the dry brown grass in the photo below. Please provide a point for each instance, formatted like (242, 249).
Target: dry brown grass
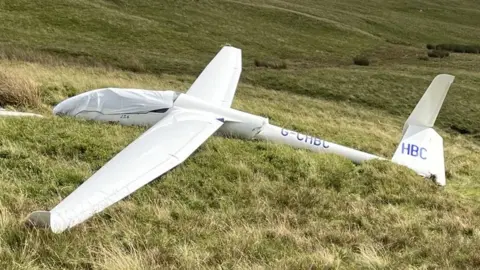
(18, 90)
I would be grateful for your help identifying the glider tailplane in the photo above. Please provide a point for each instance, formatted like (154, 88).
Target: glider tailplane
(421, 147)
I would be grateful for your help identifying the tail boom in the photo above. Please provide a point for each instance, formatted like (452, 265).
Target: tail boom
(302, 141)
(421, 149)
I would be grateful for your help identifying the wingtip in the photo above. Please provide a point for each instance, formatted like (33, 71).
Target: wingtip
(39, 219)
(5, 113)
(445, 76)
(45, 220)
(231, 48)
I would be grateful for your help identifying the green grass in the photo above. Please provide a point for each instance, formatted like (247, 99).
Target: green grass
(179, 37)
(243, 204)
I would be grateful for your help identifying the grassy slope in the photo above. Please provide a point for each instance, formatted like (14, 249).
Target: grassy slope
(315, 39)
(267, 205)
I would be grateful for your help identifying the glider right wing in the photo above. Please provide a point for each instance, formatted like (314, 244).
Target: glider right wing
(4, 112)
(218, 82)
(164, 146)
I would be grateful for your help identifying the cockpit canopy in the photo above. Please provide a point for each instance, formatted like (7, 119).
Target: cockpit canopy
(117, 101)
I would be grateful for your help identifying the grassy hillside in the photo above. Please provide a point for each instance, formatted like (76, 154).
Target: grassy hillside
(314, 38)
(264, 205)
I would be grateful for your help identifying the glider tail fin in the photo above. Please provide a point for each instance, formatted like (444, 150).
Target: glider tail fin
(427, 109)
(421, 147)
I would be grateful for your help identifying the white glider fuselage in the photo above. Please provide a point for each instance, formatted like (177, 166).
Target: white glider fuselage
(236, 124)
(248, 126)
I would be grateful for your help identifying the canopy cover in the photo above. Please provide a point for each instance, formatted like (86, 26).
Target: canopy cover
(117, 101)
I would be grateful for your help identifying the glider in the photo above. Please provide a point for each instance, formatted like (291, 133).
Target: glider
(181, 122)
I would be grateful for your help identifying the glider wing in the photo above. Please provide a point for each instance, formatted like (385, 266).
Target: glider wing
(4, 112)
(218, 81)
(162, 147)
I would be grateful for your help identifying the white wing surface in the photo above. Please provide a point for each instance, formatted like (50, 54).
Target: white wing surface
(218, 81)
(164, 146)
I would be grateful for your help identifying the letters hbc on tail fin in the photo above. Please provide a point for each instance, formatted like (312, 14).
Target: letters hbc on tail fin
(421, 147)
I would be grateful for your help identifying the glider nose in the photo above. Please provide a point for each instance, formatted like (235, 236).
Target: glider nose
(66, 107)
(58, 110)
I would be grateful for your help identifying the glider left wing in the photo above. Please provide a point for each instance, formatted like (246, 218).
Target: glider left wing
(162, 147)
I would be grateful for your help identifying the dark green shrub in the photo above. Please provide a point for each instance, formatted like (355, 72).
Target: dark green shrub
(458, 48)
(270, 64)
(446, 47)
(461, 130)
(438, 54)
(398, 42)
(430, 46)
(472, 49)
(361, 61)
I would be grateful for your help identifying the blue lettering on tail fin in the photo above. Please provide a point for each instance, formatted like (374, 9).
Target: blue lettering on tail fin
(423, 150)
(414, 150)
(405, 147)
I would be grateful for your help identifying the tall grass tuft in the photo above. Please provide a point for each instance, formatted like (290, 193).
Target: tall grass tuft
(17, 90)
